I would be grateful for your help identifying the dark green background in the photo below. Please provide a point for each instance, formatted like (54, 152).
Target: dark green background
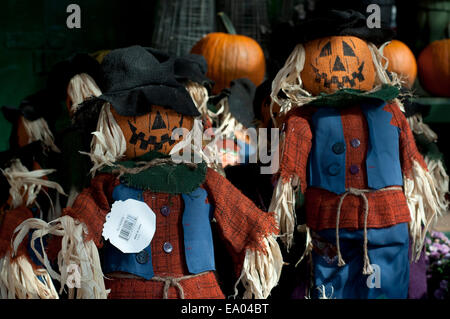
(34, 36)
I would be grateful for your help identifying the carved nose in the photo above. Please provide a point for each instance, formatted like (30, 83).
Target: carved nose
(338, 66)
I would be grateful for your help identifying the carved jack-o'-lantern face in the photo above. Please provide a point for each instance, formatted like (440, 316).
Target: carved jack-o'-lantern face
(152, 131)
(338, 62)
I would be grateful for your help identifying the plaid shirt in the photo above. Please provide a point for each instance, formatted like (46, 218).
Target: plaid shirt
(241, 225)
(11, 219)
(386, 208)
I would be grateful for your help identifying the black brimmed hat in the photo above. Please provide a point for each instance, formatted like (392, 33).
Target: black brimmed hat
(134, 78)
(34, 106)
(193, 67)
(341, 23)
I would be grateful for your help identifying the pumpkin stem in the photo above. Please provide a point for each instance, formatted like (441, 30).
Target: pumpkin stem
(227, 23)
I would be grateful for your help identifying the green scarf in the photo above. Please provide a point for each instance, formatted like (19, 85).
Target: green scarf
(164, 178)
(348, 97)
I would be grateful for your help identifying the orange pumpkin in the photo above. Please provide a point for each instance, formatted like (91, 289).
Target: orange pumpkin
(230, 57)
(434, 68)
(401, 61)
(337, 62)
(152, 131)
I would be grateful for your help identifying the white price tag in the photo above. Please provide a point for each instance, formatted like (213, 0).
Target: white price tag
(130, 225)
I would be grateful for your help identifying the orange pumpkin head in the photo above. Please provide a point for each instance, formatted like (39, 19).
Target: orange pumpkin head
(151, 131)
(337, 62)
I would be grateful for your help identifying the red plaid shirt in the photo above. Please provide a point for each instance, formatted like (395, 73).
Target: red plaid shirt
(241, 225)
(386, 208)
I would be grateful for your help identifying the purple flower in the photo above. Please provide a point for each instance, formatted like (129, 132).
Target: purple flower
(435, 255)
(428, 241)
(443, 284)
(439, 235)
(447, 256)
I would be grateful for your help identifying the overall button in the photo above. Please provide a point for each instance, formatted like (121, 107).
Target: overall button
(142, 257)
(334, 169)
(354, 169)
(165, 210)
(168, 247)
(338, 148)
(355, 142)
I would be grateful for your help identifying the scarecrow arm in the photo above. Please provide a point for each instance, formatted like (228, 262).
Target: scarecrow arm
(296, 146)
(249, 234)
(421, 190)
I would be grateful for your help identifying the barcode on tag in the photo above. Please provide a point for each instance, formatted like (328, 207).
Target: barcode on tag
(127, 227)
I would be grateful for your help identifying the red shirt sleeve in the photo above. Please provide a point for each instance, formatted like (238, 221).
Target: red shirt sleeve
(296, 146)
(241, 224)
(408, 148)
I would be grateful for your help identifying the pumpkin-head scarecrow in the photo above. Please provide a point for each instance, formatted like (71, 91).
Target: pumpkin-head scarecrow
(349, 150)
(162, 246)
(24, 195)
(72, 81)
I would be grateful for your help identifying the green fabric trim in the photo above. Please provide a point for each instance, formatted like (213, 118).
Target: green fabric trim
(165, 178)
(348, 97)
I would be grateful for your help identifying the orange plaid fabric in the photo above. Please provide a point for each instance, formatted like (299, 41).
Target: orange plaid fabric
(11, 219)
(242, 225)
(201, 287)
(385, 208)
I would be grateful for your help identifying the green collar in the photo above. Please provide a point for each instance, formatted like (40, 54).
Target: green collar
(165, 178)
(348, 97)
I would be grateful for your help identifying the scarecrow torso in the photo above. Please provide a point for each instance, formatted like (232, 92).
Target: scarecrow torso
(182, 243)
(355, 147)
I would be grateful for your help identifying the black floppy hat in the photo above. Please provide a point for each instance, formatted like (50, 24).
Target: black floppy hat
(341, 23)
(193, 67)
(34, 106)
(134, 78)
(189, 67)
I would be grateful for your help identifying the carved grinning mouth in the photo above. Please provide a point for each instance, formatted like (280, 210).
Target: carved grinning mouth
(140, 136)
(339, 82)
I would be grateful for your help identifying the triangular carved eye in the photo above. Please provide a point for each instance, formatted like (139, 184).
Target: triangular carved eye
(348, 51)
(159, 122)
(326, 50)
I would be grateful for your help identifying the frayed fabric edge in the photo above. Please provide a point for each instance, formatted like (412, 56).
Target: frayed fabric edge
(261, 270)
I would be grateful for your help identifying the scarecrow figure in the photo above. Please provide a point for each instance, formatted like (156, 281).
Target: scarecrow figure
(163, 247)
(348, 148)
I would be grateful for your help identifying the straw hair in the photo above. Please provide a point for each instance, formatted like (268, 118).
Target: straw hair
(25, 185)
(81, 87)
(19, 280)
(425, 205)
(199, 95)
(38, 130)
(261, 271)
(108, 143)
(75, 250)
